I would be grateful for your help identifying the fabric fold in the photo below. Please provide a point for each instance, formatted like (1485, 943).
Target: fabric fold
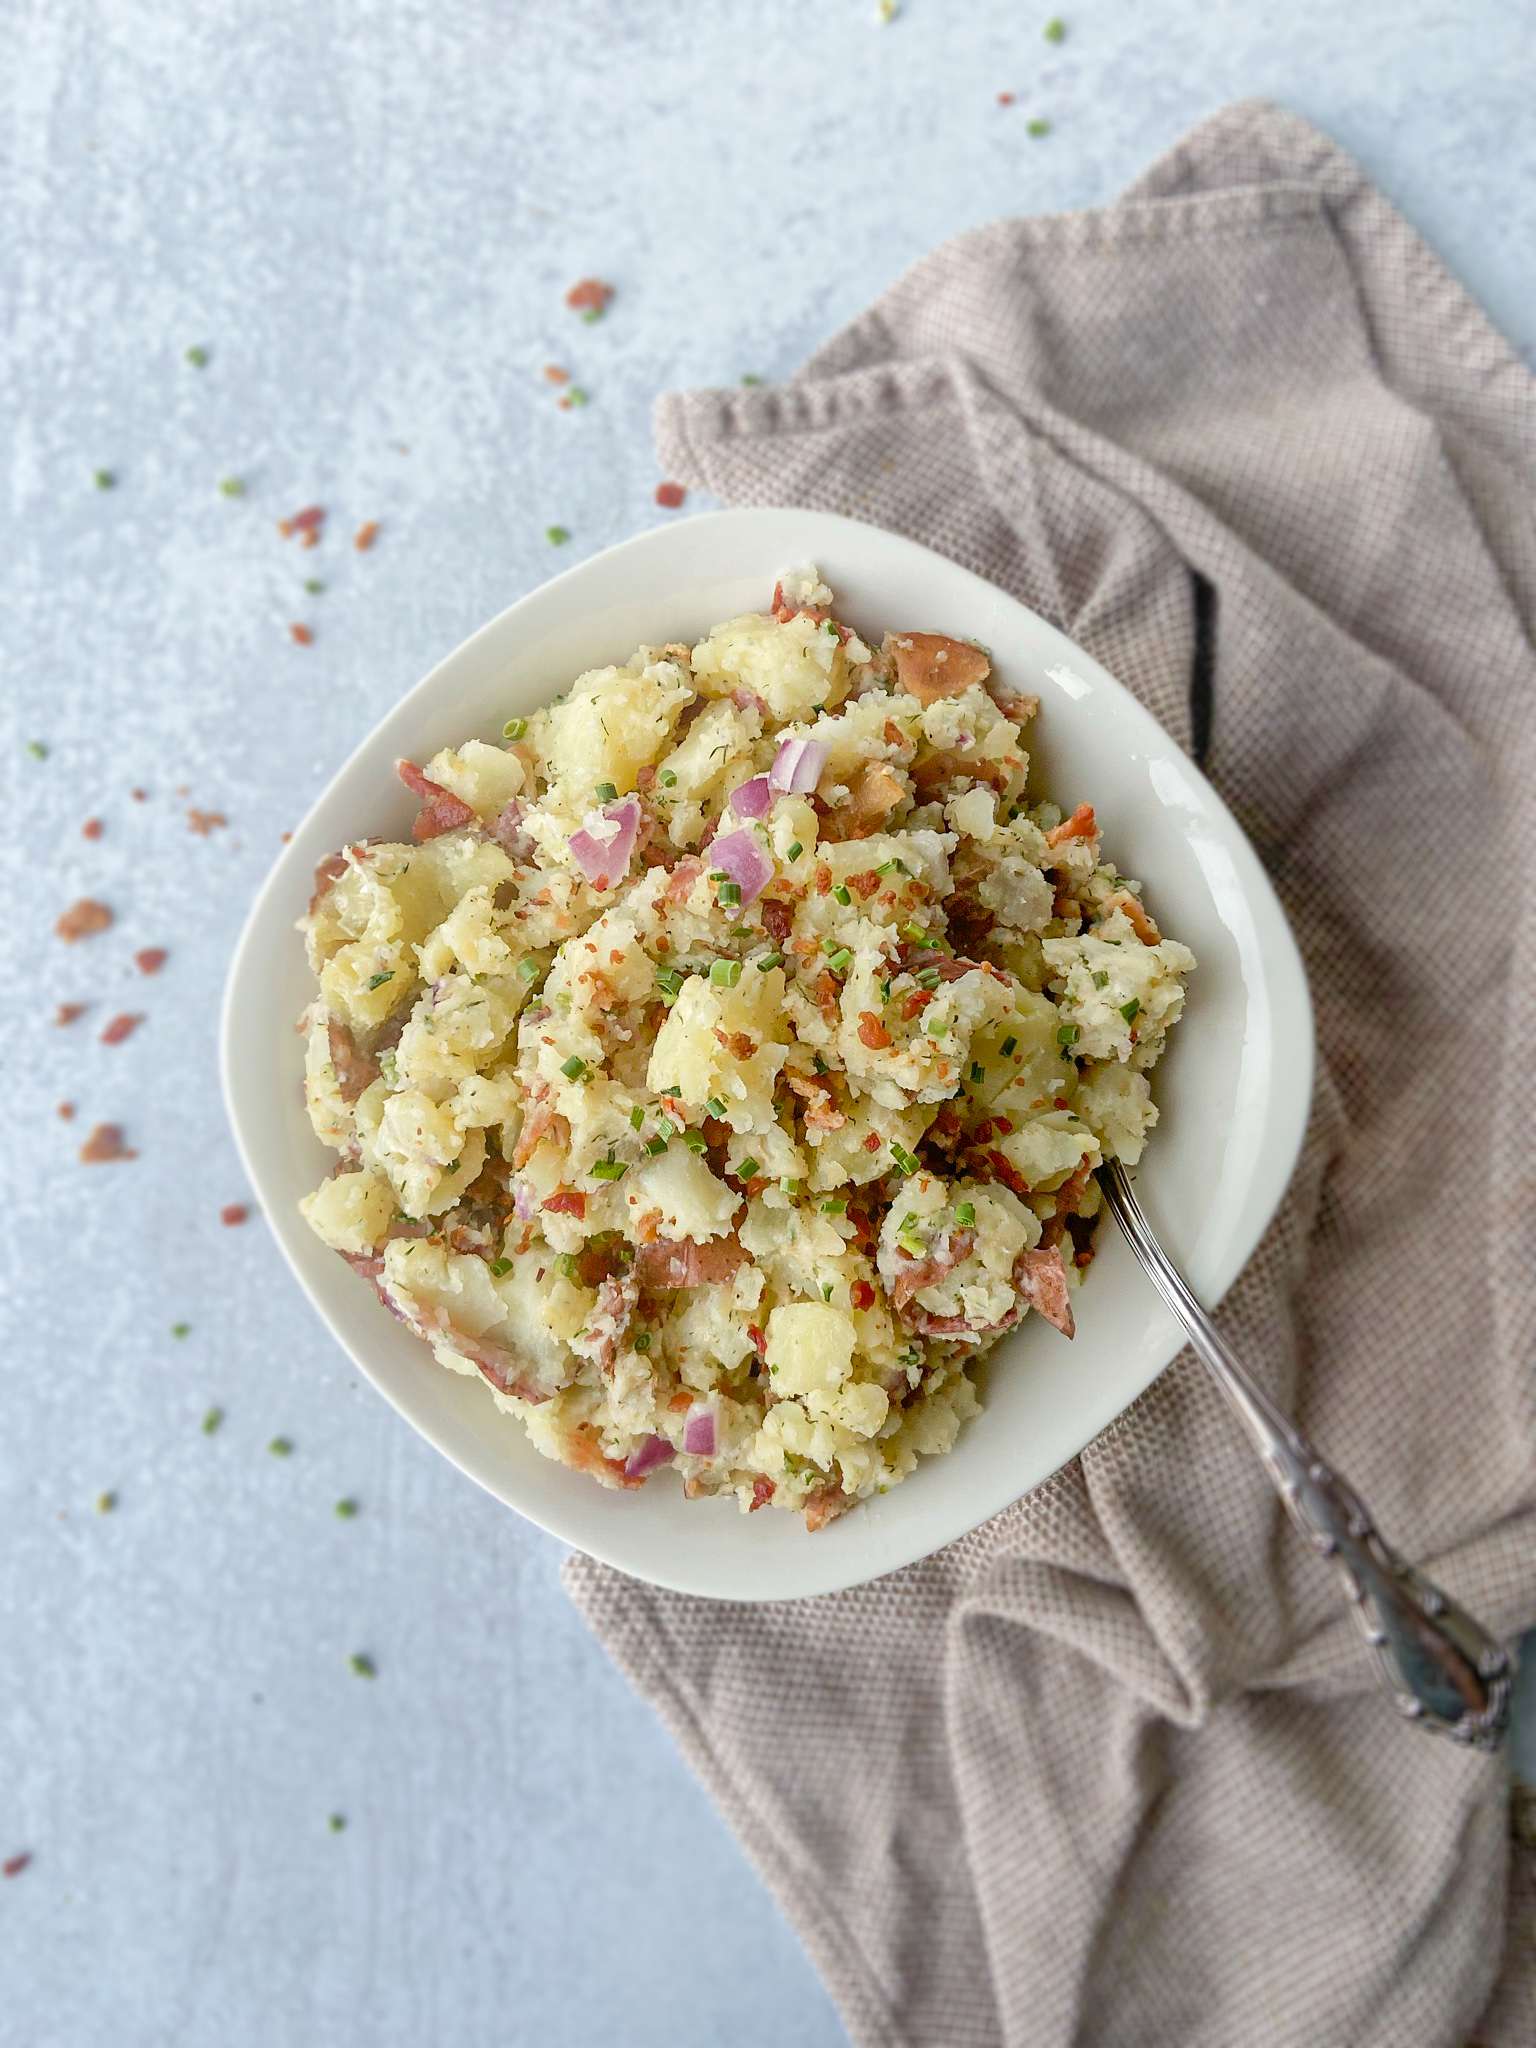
(1114, 1768)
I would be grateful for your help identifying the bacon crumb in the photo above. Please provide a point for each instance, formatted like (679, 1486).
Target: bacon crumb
(861, 1294)
(590, 295)
(555, 375)
(233, 1213)
(67, 1112)
(307, 522)
(670, 495)
(570, 1202)
(13, 1866)
(301, 633)
(105, 1144)
(150, 959)
(204, 822)
(872, 1142)
(68, 1012)
(762, 1493)
(365, 536)
(872, 1032)
(122, 1026)
(1005, 99)
(91, 829)
(139, 796)
(1081, 825)
(82, 919)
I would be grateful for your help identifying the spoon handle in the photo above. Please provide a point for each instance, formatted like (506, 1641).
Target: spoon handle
(1443, 1668)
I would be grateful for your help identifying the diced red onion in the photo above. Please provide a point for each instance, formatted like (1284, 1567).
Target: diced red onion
(650, 1452)
(605, 860)
(739, 854)
(699, 1433)
(753, 798)
(525, 1203)
(797, 766)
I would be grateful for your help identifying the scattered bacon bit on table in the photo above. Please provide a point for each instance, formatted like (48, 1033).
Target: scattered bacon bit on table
(13, 1866)
(555, 375)
(233, 1213)
(104, 1145)
(670, 495)
(82, 919)
(122, 1026)
(1005, 99)
(204, 822)
(365, 536)
(91, 829)
(139, 796)
(591, 295)
(301, 633)
(68, 1012)
(150, 959)
(67, 1112)
(308, 522)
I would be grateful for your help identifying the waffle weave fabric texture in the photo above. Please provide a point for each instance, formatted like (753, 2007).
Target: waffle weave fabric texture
(1115, 1768)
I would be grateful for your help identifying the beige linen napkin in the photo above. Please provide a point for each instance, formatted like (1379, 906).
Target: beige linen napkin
(1114, 1769)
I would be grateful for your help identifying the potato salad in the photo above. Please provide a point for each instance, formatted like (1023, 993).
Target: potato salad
(721, 1069)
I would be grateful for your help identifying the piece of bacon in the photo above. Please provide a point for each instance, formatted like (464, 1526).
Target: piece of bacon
(931, 665)
(205, 822)
(1041, 1278)
(739, 1044)
(762, 1492)
(821, 1111)
(872, 1032)
(684, 875)
(912, 1276)
(1081, 825)
(355, 1070)
(778, 919)
(540, 1122)
(589, 295)
(327, 875)
(104, 1145)
(122, 1026)
(871, 800)
(683, 1262)
(441, 811)
(825, 1505)
(150, 959)
(82, 920)
(68, 1012)
(861, 1295)
(568, 1202)
(1136, 912)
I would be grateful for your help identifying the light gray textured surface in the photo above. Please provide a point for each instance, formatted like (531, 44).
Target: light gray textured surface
(369, 215)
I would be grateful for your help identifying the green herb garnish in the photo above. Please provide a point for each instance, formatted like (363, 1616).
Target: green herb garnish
(978, 1072)
(666, 778)
(795, 851)
(769, 961)
(747, 1168)
(212, 1417)
(714, 1107)
(556, 536)
(729, 895)
(103, 479)
(197, 357)
(344, 1510)
(181, 1329)
(1010, 1047)
(527, 968)
(643, 1341)
(609, 1169)
(379, 980)
(1131, 1011)
(1101, 979)
(514, 728)
(1037, 127)
(842, 894)
(725, 973)
(363, 1666)
(574, 1068)
(231, 487)
(840, 959)
(1055, 30)
(500, 1268)
(280, 1447)
(965, 1214)
(606, 793)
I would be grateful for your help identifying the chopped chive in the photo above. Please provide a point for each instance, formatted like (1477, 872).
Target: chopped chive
(718, 875)
(729, 895)
(929, 978)
(344, 1510)
(791, 1187)
(840, 959)
(212, 1417)
(643, 1341)
(636, 1117)
(1037, 127)
(573, 397)
(666, 778)
(335, 1822)
(379, 980)
(916, 932)
(965, 1214)
(770, 961)
(665, 1128)
(1101, 979)
(937, 1026)
(313, 585)
(1131, 1011)
(557, 536)
(694, 1140)
(181, 1329)
(609, 1169)
(725, 973)
(280, 1447)
(606, 793)
(1055, 30)
(669, 980)
(888, 867)
(826, 1290)
(820, 1064)
(363, 1666)
(836, 1207)
(842, 894)
(714, 1107)
(831, 946)
(105, 1503)
(903, 1158)
(103, 479)
(565, 1265)
(500, 1268)
(747, 1168)
(231, 487)
(514, 728)
(978, 1072)
(908, 1222)
(749, 379)
(37, 750)
(795, 851)
(573, 1068)
(655, 1146)
(1067, 1034)
(1010, 1047)
(527, 968)
(197, 357)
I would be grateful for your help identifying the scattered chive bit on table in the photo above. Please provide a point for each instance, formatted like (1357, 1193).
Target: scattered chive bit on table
(346, 1509)
(232, 486)
(313, 585)
(362, 1665)
(750, 379)
(557, 536)
(886, 11)
(573, 398)
(180, 1330)
(37, 750)
(211, 1419)
(1037, 127)
(336, 1822)
(103, 479)
(197, 357)
(1055, 30)
(105, 1503)
(280, 1447)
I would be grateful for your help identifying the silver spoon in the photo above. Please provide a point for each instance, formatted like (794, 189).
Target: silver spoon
(1443, 1668)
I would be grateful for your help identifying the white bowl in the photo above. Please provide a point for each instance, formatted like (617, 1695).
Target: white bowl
(1234, 1087)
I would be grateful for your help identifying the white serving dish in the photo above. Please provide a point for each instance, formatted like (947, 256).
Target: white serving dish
(1234, 1087)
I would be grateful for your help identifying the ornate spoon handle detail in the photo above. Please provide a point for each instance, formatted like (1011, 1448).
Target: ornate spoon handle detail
(1443, 1668)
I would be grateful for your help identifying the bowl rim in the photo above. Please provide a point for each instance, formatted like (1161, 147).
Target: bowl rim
(591, 1526)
